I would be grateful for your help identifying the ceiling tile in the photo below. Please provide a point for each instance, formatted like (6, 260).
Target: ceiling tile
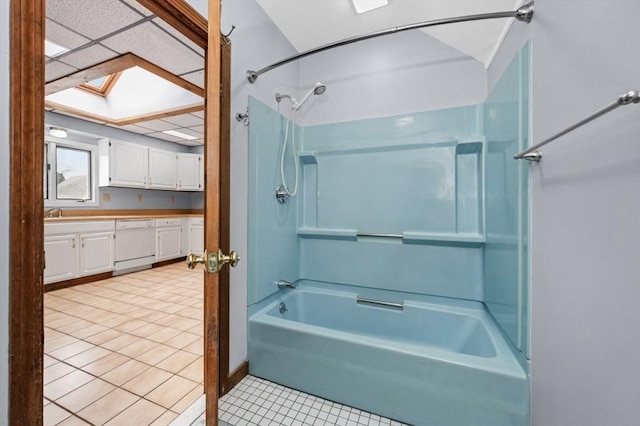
(198, 129)
(168, 28)
(90, 56)
(157, 125)
(199, 114)
(196, 78)
(92, 19)
(62, 36)
(55, 70)
(134, 128)
(186, 131)
(137, 6)
(184, 120)
(157, 47)
(164, 136)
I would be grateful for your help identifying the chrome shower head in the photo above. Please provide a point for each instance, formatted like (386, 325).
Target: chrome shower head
(318, 89)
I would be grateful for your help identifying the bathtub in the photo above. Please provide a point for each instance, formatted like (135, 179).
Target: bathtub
(427, 363)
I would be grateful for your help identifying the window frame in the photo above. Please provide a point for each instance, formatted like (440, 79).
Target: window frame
(50, 167)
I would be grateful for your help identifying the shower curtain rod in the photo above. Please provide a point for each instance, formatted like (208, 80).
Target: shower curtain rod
(533, 153)
(523, 14)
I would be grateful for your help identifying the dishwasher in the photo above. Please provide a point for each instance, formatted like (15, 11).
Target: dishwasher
(135, 245)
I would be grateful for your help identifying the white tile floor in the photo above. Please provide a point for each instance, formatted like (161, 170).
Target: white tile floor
(259, 402)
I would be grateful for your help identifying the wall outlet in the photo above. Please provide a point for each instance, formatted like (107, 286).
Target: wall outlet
(106, 197)
(172, 199)
(139, 198)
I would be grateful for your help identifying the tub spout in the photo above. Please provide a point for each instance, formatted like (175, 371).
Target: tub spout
(285, 284)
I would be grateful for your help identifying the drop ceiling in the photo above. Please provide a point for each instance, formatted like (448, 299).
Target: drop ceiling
(96, 31)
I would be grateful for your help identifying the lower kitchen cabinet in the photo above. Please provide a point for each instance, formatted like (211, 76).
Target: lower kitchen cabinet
(168, 239)
(97, 253)
(89, 250)
(61, 258)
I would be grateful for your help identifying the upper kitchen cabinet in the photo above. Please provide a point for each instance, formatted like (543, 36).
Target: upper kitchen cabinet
(123, 164)
(162, 169)
(131, 165)
(189, 167)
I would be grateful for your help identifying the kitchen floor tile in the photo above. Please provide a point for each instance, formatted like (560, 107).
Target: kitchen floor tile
(108, 406)
(86, 394)
(171, 391)
(147, 381)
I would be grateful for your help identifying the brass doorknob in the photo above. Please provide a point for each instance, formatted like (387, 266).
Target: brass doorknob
(232, 259)
(213, 262)
(194, 260)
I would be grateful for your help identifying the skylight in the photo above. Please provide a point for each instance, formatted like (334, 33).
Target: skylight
(101, 86)
(52, 49)
(363, 6)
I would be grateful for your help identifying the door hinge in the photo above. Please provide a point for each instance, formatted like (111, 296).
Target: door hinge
(109, 178)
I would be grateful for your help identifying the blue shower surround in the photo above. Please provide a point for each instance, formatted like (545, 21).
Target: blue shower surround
(418, 205)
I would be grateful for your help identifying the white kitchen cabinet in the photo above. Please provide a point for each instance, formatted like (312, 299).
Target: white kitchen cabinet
(168, 239)
(196, 235)
(201, 172)
(61, 258)
(188, 172)
(123, 164)
(97, 253)
(77, 249)
(131, 165)
(162, 169)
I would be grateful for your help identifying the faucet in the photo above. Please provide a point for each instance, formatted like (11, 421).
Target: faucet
(54, 212)
(285, 284)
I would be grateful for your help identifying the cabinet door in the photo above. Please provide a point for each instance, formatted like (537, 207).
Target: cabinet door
(61, 258)
(128, 164)
(162, 169)
(188, 172)
(168, 243)
(97, 253)
(196, 239)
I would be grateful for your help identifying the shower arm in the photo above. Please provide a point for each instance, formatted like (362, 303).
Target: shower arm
(522, 14)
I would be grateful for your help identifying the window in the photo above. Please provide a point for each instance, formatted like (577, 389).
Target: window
(102, 85)
(70, 173)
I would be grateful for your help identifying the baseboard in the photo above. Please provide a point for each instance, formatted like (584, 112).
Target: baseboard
(168, 262)
(77, 281)
(99, 277)
(236, 376)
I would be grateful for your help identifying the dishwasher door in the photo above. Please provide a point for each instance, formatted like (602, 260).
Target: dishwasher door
(135, 239)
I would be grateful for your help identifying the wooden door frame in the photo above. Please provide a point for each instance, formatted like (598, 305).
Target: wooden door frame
(26, 233)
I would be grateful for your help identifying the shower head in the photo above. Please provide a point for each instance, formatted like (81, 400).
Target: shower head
(318, 89)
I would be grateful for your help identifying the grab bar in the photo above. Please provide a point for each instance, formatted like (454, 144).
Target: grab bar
(365, 301)
(370, 234)
(632, 96)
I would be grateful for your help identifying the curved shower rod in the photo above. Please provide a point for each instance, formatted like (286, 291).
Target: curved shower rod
(522, 14)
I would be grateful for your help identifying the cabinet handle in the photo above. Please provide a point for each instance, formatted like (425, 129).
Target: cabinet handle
(82, 239)
(73, 243)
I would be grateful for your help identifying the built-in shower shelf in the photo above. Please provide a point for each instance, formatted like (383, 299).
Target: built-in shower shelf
(467, 240)
(308, 157)
(332, 234)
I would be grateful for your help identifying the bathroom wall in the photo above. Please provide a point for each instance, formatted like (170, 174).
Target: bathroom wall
(585, 231)
(126, 198)
(401, 73)
(4, 210)
(506, 257)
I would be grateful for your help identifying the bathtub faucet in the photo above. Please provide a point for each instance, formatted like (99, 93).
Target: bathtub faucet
(285, 284)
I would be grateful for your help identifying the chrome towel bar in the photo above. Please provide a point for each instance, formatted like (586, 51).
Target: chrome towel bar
(532, 154)
(383, 303)
(371, 234)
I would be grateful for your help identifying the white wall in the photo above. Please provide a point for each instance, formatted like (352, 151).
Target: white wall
(395, 74)
(4, 210)
(256, 42)
(585, 306)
